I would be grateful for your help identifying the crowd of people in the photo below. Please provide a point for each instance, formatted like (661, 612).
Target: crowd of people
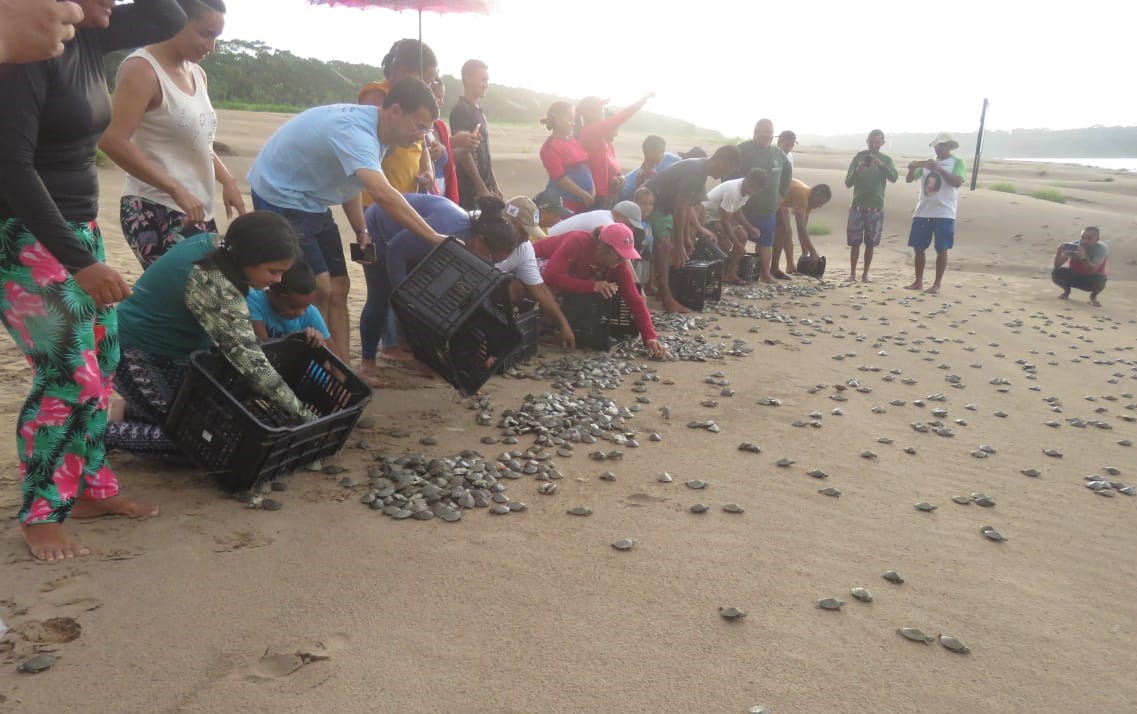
(405, 180)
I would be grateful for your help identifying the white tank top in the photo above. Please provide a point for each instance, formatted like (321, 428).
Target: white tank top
(178, 137)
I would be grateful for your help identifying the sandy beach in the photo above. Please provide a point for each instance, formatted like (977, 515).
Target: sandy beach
(328, 605)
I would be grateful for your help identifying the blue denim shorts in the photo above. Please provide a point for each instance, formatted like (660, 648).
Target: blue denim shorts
(924, 229)
(319, 237)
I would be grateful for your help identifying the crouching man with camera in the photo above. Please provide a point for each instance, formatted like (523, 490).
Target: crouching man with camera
(1087, 258)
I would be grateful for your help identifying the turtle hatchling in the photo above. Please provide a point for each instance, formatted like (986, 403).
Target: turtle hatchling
(979, 454)
(624, 544)
(911, 633)
(818, 473)
(910, 450)
(925, 506)
(696, 484)
(700, 508)
(607, 476)
(580, 511)
(834, 492)
(732, 613)
(993, 534)
(748, 446)
(893, 577)
(963, 500)
(1055, 453)
(954, 644)
(37, 664)
(1111, 470)
(733, 508)
(830, 603)
(664, 477)
(784, 462)
(1033, 473)
(866, 454)
(861, 594)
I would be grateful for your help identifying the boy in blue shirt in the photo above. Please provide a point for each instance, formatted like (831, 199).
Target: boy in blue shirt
(287, 307)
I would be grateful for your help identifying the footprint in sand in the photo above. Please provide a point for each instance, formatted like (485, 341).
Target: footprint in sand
(240, 540)
(279, 665)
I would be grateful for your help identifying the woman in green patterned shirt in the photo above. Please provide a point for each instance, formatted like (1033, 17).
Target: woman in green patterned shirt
(193, 298)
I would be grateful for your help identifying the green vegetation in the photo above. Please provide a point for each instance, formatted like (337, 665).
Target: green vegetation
(250, 107)
(1003, 187)
(819, 229)
(1050, 194)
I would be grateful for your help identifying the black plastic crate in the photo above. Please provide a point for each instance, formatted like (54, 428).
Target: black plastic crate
(749, 267)
(689, 285)
(455, 312)
(597, 321)
(713, 289)
(527, 317)
(706, 249)
(234, 433)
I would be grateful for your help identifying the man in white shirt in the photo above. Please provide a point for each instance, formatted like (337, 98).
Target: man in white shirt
(940, 179)
(723, 211)
(626, 212)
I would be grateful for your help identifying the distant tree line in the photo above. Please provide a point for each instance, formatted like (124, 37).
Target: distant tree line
(254, 76)
(1100, 142)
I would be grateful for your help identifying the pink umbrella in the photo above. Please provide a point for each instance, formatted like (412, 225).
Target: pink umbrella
(483, 7)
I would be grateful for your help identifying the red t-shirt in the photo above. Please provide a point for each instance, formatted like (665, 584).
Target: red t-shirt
(559, 155)
(572, 268)
(601, 154)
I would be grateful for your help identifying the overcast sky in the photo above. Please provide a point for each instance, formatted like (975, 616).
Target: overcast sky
(817, 67)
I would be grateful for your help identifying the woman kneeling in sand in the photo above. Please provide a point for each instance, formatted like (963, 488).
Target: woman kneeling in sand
(599, 261)
(193, 298)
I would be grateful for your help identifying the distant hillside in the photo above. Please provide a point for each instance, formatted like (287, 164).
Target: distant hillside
(254, 76)
(1092, 142)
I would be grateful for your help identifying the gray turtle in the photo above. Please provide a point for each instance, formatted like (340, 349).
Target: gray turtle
(993, 534)
(783, 462)
(664, 478)
(1111, 470)
(893, 577)
(580, 511)
(818, 473)
(624, 544)
(985, 501)
(1033, 473)
(748, 446)
(954, 644)
(979, 454)
(830, 603)
(963, 500)
(910, 450)
(925, 507)
(732, 613)
(866, 454)
(1054, 453)
(696, 484)
(915, 635)
(700, 508)
(834, 492)
(861, 594)
(37, 664)
(733, 508)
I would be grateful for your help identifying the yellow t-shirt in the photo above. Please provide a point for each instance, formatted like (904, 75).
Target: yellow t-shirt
(797, 200)
(400, 163)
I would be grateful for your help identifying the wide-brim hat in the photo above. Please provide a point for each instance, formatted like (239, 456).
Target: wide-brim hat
(944, 138)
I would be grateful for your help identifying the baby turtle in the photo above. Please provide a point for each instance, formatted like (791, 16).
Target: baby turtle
(1055, 453)
(700, 508)
(783, 462)
(834, 492)
(818, 473)
(696, 484)
(1125, 442)
(984, 501)
(624, 544)
(664, 478)
(915, 635)
(37, 664)
(987, 449)
(498, 509)
(733, 508)
(752, 448)
(883, 440)
(579, 511)
(993, 534)
(861, 594)
(547, 488)
(910, 450)
(925, 507)
(1111, 470)
(1033, 473)
(732, 613)
(655, 436)
(893, 577)
(607, 476)
(866, 454)
(963, 500)
(979, 454)
(830, 603)
(954, 644)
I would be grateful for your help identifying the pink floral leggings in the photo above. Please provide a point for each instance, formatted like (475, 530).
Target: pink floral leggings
(73, 350)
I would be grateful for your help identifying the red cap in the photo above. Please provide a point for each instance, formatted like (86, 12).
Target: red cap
(619, 238)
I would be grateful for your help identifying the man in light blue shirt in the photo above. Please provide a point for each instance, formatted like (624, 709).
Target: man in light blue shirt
(327, 156)
(656, 159)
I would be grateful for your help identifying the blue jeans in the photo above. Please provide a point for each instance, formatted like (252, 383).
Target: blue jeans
(373, 320)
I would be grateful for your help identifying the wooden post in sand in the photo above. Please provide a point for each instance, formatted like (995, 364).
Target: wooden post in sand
(978, 145)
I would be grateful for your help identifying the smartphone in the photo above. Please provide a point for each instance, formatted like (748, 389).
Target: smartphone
(363, 255)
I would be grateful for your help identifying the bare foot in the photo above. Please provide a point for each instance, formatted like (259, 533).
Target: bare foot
(649, 290)
(117, 505)
(851, 279)
(779, 275)
(935, 289)
(767, 279)
(915, 286)
(673, 305)
(1064, 296)
(49, 542)
(396, 354)
(1095, 303)
(865, 278)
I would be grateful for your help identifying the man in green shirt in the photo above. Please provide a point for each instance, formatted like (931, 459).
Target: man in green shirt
(867, 175)
(760, 210)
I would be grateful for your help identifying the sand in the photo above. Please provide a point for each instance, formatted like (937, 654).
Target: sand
(209, 607)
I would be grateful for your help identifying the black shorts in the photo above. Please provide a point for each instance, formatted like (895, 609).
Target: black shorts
(1068, 278)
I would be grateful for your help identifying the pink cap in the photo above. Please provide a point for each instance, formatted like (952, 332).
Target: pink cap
(619, 238)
